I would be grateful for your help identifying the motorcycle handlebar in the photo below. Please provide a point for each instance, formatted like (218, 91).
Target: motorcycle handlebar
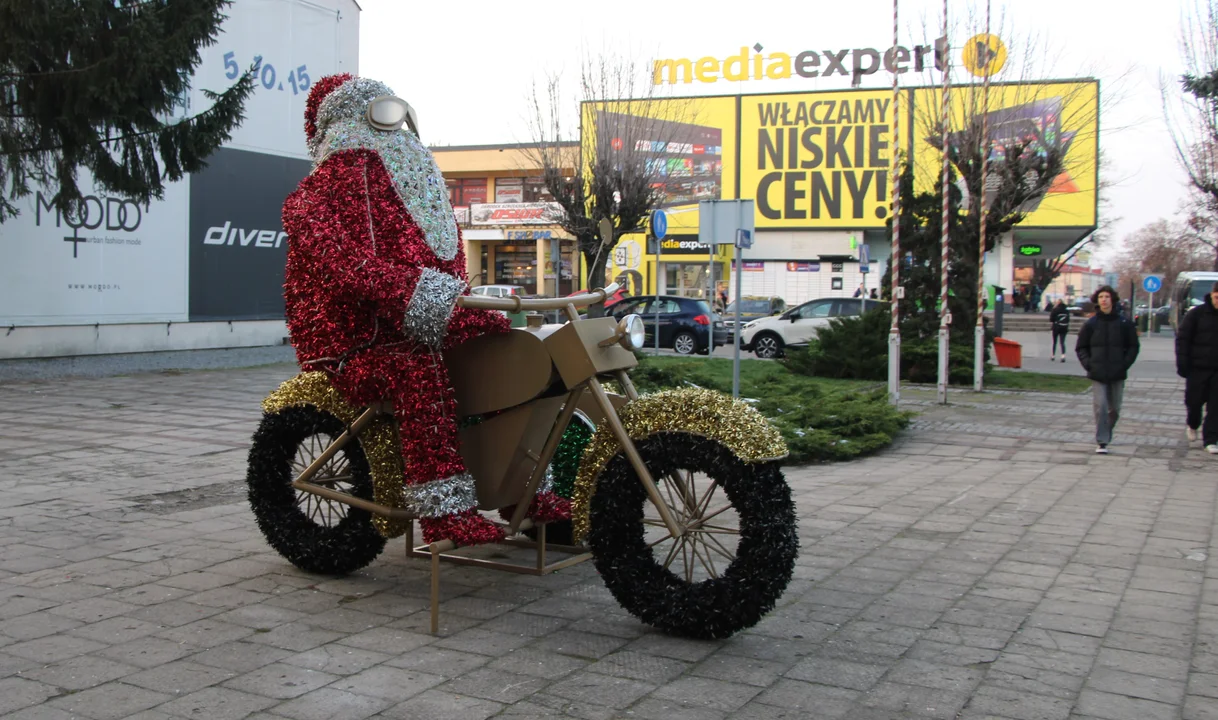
(516, 304)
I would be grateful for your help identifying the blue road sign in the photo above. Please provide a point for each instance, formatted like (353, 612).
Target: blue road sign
(659, 224)
(864, 258)
(744, 239)
(1152, 283)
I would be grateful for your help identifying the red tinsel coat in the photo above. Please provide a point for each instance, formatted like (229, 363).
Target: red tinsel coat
(354, 256)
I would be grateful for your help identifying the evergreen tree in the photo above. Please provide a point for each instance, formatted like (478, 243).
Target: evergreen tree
(92, 84)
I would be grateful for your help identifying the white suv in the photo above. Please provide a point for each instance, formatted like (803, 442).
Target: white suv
(768, 336)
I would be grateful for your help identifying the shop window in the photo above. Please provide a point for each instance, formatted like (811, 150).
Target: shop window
(466, 191)
(837, 283)
(509, 190)
(535, 190)
(517, 265)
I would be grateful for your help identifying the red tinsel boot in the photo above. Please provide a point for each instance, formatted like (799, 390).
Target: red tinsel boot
(464, 528)
(547, 507)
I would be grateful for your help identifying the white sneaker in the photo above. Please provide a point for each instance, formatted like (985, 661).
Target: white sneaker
(1192, 434)
(1212, 449)
(1053, 357)
(1102, 449)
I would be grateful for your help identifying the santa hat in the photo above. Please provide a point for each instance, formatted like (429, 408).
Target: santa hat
(321, 89)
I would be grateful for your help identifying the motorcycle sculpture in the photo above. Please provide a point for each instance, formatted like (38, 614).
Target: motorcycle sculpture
(677, 496)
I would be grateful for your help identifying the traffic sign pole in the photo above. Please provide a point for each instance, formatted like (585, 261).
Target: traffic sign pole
(1151, 284)
(744, 239)
(659, 228)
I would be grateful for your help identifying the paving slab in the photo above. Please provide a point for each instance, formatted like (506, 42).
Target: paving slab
(987, 565)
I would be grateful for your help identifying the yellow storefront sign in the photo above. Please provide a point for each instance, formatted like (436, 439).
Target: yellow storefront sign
(817, 159)
(689, 146)
(814, 160)
(1062, 115)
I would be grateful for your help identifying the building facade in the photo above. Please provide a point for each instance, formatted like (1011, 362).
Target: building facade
(202, 267)
(508, 219)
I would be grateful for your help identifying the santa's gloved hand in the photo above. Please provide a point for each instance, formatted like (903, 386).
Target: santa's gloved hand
(431, 306)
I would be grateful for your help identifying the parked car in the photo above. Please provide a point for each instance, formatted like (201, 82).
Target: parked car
(686, 325)
(1081, 307)
(768, 337)
(752, 307)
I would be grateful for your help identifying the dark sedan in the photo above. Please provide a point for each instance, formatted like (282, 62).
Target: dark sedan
(687, 325)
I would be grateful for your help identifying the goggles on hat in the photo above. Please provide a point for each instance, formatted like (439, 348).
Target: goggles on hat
(388, 112)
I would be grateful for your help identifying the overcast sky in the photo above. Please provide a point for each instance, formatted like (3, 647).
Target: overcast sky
(467, 67)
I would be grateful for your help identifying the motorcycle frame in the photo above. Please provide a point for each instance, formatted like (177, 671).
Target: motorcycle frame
(443, 550)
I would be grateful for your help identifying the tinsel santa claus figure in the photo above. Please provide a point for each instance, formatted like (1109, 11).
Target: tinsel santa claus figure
(375, 266)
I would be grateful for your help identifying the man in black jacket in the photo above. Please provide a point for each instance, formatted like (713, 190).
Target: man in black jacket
(1197, 363)
(1107, 346)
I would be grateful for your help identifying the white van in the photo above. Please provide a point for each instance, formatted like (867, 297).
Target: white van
(1188, 292)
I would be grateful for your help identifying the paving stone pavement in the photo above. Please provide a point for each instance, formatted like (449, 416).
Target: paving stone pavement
(988, 565)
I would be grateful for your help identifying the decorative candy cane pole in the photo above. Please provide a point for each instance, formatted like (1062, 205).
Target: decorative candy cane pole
(945, 315)
(979, 331)
(894, 261)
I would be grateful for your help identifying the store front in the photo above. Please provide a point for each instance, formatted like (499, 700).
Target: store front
(545, 262)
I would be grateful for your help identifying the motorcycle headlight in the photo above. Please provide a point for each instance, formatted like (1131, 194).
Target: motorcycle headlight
(632, 332)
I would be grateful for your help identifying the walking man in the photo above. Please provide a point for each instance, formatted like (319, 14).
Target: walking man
(1059, 320)
(1107, 346)
(1197, 363)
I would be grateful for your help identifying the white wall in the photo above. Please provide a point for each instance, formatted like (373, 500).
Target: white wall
(320, 36)
(124, 286)
(68, 340)
(795, 286)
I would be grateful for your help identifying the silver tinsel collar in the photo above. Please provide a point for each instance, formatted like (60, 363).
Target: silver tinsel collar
(342, 125)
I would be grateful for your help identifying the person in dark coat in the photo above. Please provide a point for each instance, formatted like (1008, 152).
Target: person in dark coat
(1107, 347)
(1197, 363)
(1059, 321)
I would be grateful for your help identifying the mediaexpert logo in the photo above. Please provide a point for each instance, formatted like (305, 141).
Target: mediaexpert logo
(226, 234)
(982, 55)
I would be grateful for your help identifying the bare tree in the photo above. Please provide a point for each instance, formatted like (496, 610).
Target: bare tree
(1164, 248)
(1025, 128)
(1190, 106)
(613, 174)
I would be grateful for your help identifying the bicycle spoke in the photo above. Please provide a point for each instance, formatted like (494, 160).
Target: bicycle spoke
(672, 552)
(685, 561)
(718, 547)
(707, 562)
(703, 517)
(716, 529)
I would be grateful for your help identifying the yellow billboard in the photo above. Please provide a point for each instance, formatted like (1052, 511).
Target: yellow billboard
(688, 146)
(820, 160)
(817, 160)
(1062, 115)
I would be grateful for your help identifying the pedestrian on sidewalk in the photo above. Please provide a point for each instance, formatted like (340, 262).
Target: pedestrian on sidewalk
(1059, 321)
(1197, 363)
(1107, 347)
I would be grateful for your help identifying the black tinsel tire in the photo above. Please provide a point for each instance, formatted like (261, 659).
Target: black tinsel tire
(336, 549)
(715, 607)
